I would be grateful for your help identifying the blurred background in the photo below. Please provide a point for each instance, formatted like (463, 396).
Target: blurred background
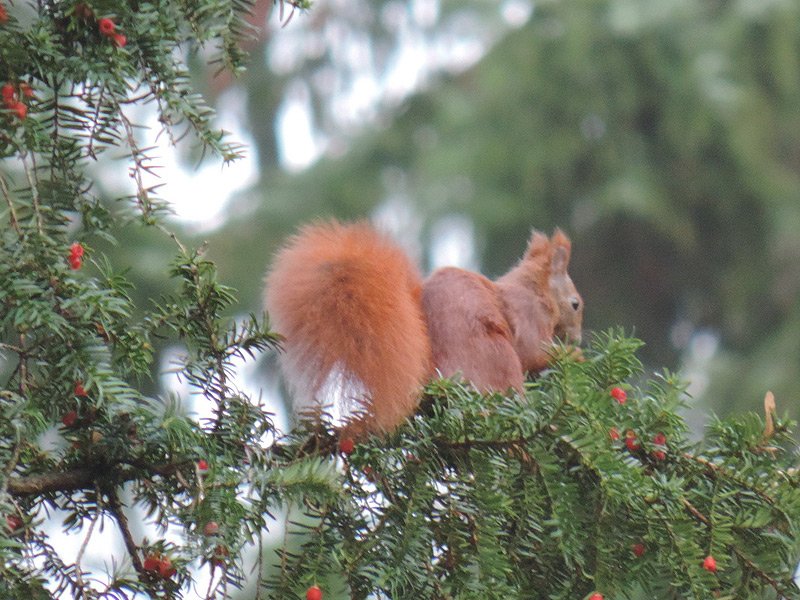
(662, 135)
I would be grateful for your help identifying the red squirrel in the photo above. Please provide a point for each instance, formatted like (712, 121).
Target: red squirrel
(356, 315)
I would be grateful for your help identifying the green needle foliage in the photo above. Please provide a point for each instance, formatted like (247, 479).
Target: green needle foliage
(75, 350)
(560, 494)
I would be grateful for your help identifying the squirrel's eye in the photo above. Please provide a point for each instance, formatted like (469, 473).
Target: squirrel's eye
(576, 304)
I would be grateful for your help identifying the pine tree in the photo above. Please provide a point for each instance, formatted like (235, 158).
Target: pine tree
(588, 485)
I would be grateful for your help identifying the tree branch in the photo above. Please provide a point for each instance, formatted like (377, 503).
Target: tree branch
(85, 477)
(115, 507)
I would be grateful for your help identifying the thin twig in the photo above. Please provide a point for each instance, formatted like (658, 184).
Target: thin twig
(30, 174)
(718, 470)
(696, 513)
(9, 468)
(260, 565)
(23, 368)
(95, 123)
(12, 212)
(85, 544)
(776, 585)
(116, 509)
(213, 588)
(142, 196)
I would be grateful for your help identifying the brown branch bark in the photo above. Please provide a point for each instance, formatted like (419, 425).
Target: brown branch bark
(115, 506)
(84, 478)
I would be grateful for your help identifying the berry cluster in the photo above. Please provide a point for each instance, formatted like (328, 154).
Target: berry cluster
(11, 95)
(159, 564)
(3, 13)
(631, 441)
(76, 260)
(659, 440)
(618, 394)
(108, 28)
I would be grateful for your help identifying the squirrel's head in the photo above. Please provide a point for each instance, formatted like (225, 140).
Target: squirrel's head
(568, 301)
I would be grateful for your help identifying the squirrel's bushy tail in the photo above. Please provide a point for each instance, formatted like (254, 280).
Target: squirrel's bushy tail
(347, 301)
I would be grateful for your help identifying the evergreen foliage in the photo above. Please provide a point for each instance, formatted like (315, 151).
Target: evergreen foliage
(477, 497)
(547, 496)
(75, 349)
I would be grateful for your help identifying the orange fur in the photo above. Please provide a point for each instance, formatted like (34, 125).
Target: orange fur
(354, 311)
(470, 334)
(347, 301)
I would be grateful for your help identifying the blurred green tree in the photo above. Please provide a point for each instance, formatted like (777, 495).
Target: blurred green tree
(663, 136)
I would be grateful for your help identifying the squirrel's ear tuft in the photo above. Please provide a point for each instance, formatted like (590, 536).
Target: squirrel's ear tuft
(539, 246)
(538, 259)
(562, 248)
(560, 238)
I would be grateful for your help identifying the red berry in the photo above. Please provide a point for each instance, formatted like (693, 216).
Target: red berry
(659, 454)
(596, 596)
(8, 93)
(75, 263)
(314, 593)
(619, 395)
(346, 445)
(165, 568)
(710, 564)
(13, 522)
(20, 109)
(26, 90)
(211, 528)
(119, 40)
(659, 439)
(632, 444)
(202, 465)
(167, 572)
(69, 419)
(106, 26)
(220, 555)
(613, 433)
(3, 14)
(76, 249)
(638, 549)
(151, 563)
(79, 389)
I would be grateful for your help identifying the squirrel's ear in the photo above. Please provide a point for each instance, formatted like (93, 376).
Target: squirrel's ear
(538, 258)
(539, 246)
(562, 248)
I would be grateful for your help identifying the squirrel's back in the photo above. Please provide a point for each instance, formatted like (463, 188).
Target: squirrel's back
(347, 301)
